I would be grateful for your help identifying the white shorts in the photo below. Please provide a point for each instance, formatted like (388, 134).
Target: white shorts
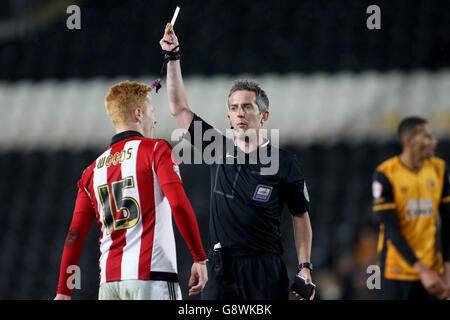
(139, 290)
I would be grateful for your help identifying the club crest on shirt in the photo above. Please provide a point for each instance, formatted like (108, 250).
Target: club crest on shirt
(377, 189)
(262, 193)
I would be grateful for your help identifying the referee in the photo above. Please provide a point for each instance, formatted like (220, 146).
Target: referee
(245, 257)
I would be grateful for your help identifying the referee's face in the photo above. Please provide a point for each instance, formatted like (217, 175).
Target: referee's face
(244, 113)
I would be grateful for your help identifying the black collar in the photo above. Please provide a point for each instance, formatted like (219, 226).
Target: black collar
(125, 135)
(265, 144)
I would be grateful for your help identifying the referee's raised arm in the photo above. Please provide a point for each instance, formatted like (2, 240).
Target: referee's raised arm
(178, 103)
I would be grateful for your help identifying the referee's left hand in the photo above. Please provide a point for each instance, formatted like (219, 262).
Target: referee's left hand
(306, 274)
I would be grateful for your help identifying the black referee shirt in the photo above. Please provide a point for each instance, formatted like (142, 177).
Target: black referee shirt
(246, 206)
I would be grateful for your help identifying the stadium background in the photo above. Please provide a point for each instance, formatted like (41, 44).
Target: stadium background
(337, 92)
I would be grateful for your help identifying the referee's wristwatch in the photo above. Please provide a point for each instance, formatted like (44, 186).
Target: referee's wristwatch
(308, 265)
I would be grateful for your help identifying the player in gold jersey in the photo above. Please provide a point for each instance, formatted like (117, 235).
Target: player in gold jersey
(408, 191)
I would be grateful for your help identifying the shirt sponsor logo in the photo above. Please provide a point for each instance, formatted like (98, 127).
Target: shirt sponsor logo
(262, 193)
(419, 208)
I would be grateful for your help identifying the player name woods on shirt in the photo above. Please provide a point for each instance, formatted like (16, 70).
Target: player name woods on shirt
(269, 158)
(114, 159)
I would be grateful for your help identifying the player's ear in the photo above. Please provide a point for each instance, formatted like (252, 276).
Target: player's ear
(408, 141)
(137, 114)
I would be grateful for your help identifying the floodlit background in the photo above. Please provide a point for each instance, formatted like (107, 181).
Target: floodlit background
(337, 91)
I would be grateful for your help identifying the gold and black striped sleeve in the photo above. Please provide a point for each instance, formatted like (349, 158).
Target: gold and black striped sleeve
(385, 208)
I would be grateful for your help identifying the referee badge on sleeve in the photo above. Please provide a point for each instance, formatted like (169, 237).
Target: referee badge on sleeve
(262, 193)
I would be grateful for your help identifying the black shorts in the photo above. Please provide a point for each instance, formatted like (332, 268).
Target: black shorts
(248, 277)
(403, 290)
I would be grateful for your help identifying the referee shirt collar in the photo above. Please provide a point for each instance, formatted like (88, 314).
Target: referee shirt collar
(125, 135)
(264, 144)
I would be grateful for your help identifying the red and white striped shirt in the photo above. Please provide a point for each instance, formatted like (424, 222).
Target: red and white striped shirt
(132, 189)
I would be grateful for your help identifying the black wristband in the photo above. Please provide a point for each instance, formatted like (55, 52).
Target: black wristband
(305, 265)
(172, 55)
(168, 55)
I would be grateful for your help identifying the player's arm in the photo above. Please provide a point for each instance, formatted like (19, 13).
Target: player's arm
(178, 102)
(185, 219)
(444, 209)
(187, 224)
(385, 209)
(82, 219)
(183, 214)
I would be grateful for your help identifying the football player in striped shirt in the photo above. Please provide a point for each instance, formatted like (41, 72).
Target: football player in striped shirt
(132, 190)
(408, 191)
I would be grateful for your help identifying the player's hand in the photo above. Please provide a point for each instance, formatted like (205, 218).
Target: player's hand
(198, 272)
(62, 297)
(169, 41)
(306, 274)
(446, 275)
(446, 279)
(446, 294)
(433, 283)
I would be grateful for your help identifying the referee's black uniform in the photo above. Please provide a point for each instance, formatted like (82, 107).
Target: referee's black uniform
(245, 222)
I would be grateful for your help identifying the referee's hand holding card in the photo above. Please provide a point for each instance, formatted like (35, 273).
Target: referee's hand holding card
(303, 287)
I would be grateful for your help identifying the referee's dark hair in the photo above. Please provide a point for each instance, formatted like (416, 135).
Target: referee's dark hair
(261, 98)
(408, 125)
